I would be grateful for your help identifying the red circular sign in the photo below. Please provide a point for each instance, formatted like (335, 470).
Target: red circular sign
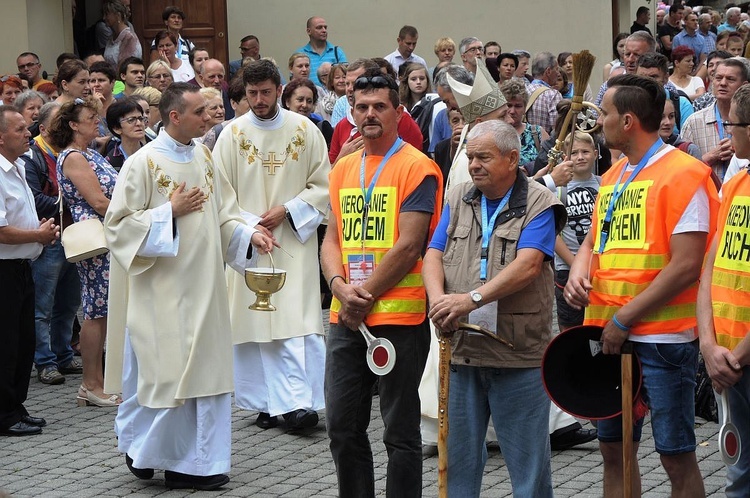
(730, 444)
(380, 356)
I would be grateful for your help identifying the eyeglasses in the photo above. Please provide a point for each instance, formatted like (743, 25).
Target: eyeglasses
(134, 119)
(727, 124)
(473, 49)
(29, 65)
(160, 76)
(379, 81)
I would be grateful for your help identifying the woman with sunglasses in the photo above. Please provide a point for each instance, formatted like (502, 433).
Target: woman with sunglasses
(127, 124)
(87, 181)
(11, 87)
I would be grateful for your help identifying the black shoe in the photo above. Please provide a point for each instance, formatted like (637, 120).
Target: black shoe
(266, 421)
(21, 429)
(35, 421)
(569, 439)
(139, 473)
(301, 419)
(176, 480)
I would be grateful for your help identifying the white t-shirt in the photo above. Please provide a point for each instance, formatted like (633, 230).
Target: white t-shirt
(184, 72)
(692, 88)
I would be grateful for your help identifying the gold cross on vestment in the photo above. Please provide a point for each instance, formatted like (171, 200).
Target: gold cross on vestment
(271, 163)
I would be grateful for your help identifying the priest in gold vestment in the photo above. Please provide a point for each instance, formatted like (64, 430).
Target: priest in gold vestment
(277, 163)
(172, 223)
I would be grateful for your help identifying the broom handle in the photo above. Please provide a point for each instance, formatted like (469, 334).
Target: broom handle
(443, 391)
(626, 360)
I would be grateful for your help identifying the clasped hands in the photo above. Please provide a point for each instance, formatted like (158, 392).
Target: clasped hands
(447, 309)
(355, 300)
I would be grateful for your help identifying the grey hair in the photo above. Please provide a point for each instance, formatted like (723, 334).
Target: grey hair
(522, 53)
(505, 136)
(458, 73)
(733, 11)
(541, 62)
(46, 112)
(27, 95)
(643, 36)
(465, 43)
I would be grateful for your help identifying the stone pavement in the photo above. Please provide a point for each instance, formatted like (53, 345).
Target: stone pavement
(77, 456)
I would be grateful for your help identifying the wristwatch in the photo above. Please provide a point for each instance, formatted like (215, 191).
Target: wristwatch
(476, 298)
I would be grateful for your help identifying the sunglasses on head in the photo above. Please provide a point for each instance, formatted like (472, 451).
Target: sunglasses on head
(378, 81)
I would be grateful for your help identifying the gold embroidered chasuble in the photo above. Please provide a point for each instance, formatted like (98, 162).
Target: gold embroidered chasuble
(269, 165)
(175, 308)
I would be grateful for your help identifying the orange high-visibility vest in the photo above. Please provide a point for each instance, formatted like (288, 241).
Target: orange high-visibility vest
(406, 302)
(730, 285)
(638, 245)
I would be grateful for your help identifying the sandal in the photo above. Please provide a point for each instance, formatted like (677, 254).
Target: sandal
(87, 398)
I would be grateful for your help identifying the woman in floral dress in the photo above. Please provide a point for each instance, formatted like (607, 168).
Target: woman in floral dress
(87, 181)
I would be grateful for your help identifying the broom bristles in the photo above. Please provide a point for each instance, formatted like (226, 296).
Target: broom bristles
(583, 65)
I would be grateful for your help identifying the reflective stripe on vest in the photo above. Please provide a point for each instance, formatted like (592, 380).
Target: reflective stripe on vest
(730, 283)
(643, 223)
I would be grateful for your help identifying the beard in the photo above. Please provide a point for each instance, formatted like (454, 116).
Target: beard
(371, 132)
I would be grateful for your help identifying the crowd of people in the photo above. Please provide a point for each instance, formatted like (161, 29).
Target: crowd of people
(408, 197)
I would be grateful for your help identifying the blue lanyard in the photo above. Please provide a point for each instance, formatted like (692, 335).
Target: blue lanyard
(617, 193)
(487, 227)
(719, 124)
(368, 192)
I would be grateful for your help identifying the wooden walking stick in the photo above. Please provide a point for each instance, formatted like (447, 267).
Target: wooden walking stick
(444, 392)
(626, 362)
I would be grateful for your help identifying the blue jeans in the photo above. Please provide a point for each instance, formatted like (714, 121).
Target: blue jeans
(519, 406)
(58, 295)
(668, 388)
(348, 392)
(738, 476)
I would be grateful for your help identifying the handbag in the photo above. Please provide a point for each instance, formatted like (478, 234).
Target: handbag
(82, 240)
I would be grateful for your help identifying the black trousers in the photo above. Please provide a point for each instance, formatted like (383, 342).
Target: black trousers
(348, 393)
(17, 336)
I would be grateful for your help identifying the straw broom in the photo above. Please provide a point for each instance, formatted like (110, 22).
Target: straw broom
(583, 64)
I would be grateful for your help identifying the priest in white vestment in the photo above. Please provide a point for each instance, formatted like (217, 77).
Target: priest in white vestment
(277, 163)
(172, 223)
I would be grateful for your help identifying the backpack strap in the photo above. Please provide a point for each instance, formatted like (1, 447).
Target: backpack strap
(336, 53)
(535, 95)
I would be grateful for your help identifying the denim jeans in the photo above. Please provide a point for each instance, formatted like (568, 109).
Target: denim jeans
(58, 295)
(348, 393)
(519, 406)
(738, 476)
(668, 388)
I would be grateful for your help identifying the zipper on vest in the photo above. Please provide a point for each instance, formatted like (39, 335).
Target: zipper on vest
(502, 253)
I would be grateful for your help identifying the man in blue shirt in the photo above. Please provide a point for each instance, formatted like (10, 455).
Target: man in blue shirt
(690, 37)
(319, 49)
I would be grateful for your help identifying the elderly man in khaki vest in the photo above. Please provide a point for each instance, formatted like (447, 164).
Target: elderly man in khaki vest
(486, 264)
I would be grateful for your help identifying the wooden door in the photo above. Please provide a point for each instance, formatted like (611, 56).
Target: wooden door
(205, 24)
